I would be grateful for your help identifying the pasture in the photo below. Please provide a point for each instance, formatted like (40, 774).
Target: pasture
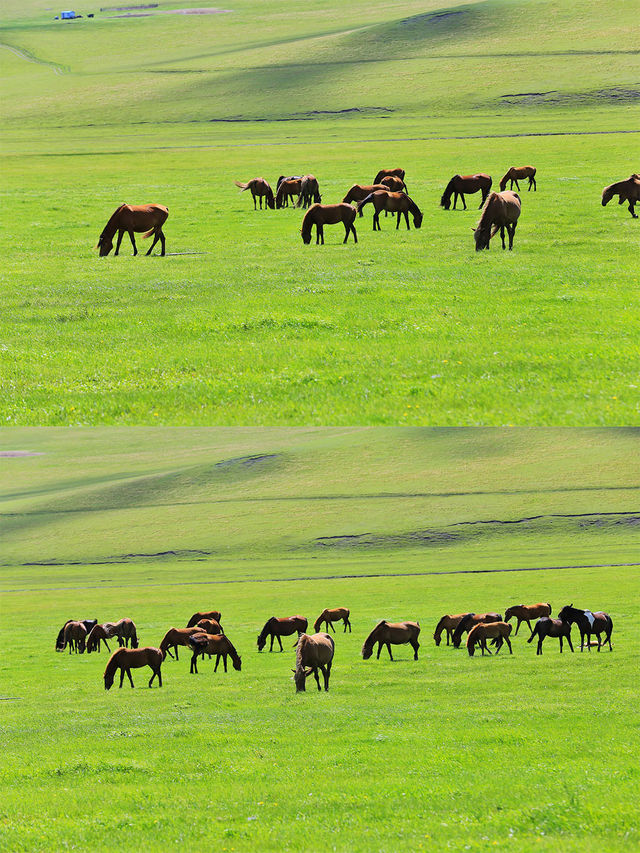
(241, 323)
(508, 752)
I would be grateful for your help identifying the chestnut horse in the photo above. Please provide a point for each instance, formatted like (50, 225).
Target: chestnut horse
(309, 192)
(393, 184)
(328, 214)
(177, 637)
(281, 627)
(210, 626)
(516, 174)
(260, 189)
(134, 218)
(500, 211)
(527, 612)
(210, 614)
(127, 659)
(97, 635)
(399, 203)
(124, 630)
(287, 189)
(498, 631)
(390, 173)
(461, 184)
(546, 627)
(397, 633)
(468, 621)
(358, 192)
(589, 623)
(213, 644)
(628, 190)
(329, 616)
(449, 624)
(88, 624)
(75, 636)
(313, 652)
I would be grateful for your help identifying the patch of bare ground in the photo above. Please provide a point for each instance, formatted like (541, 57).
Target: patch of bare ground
(18, 454)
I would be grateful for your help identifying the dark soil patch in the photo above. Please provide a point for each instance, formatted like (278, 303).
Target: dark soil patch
(18, 454)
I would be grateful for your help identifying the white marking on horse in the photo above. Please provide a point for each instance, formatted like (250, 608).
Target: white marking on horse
(590, 617)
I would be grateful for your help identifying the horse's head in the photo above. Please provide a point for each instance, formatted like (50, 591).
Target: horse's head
(367, 651)
(482, 237)
(237, 664)
(417, 219)
(105, 245)
(270, 201)
(262, 642)
(607, 195)
(134, 642)
(108, 680)
(508, 614)
(445, 201)
(300, 675)
(437, 638)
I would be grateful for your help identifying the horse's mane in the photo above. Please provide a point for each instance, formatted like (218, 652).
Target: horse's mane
(448, 191)
(413, 207)
(112, 663)
(304, 639)
(485, 217)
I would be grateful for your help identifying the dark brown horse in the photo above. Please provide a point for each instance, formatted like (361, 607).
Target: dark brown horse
(328, 214)
(75, 636)
(358, 192)
(497, 631)
(213, 644)
(210, 626)
(628, 190)
(387, 173)
(337, 614)
(501, 211)
(385, 633)
(127, 659)
(461, 185)
(589, 623)
(177, 637)
(527, 612)
(260, 189)
(124, 630)
(449, 624)
(546, 627)
(399, 203)
(97, 635)
(281, 627)
(519, 173)
(287, 189)
(313, 652)
(88, 624)
(134, 218)
(468, 621)
(309, 192)
(209, 614)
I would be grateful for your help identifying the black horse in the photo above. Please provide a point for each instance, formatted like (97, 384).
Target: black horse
(546, 627)
(589, 623)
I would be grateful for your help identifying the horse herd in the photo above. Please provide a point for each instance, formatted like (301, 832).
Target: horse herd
(204, 634)
(500, 210)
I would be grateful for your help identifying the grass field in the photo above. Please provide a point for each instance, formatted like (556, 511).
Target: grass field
(508, 752)
(245, 325)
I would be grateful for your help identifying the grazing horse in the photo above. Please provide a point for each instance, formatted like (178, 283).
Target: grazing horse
(393, 184)
(313, 652)
(527, 612)
(210, 626)
(75, 636)
(498, 631)
(461, 184)
(358, 192)
(397, 633)
(386, 173)
(500, 211)
(399, 203)
(127, 659)
(330, 616)
(213, 644)
(546, 627)
(210, 614)
(287, 189)
(328, 214)
(449, 624)
(124, 630)
(516, 174)
(260, 189)
(281, 627)
(134, 218)
(467, 623)
(309, 192)
(97, 635)
(589, 623)
(88, 624)
(628, 190)
(177, 637)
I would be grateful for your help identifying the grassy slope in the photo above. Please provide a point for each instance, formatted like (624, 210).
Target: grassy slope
(471, 753)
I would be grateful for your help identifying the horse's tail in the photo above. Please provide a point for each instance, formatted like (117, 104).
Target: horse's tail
(148, 233)
(448, 192)
(364, 201)
(534, 632)
(242, 186)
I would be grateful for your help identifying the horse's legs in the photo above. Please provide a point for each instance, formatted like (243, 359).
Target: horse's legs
(511, 231)
(330, 624)
(539, 652)
(160, 232)
(224, 661)
(376, 221)
(320, 228)
(317, 677)
(194, 664)
(326, 672)
(118, 241)
(355, 236)
(518, 627)
(569, 641)
(379, 649)
(389, 650)
(508, 642)
(406, 219)
(632, 204)
(215, 669)
(280, 641)
(347, 229)
(416, 645)
(133, 242)
(504, 246)
(156, 237)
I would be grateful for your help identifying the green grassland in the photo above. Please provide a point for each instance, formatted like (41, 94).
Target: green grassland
(242, 324)
(508, 752)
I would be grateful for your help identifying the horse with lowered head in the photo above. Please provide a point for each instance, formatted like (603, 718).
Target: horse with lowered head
(281, 627)
(385, 633)
(98, 635)
(328, 616)
(546, 627)
(328, 214)
(497, 631)
(213, 644)
(287, 189)
(459, 185)
(527, 612)
(501, 211)
(358, 192)
(309, 192)
(88, 624)
(589, 623)
(390, 173)
(177, 637)
(313, 652)
(448, 623)
(124, 630)
(519, 173)
(628, 190)
(399, 203)
(134, 218)
(468, 621)
(75, 636)
(260, 189)
(127, 659)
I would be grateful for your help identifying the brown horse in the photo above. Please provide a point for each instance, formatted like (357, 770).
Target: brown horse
(546, 627)
(314, 652)
(358, 192)
(134, 218)
(459, 185)
(260, 189)
(287, 189)
(628, 190)
(468, 621)
(527, 612)
(124, 630)
(88, 624)
(498, 631)
(328, 214)
(209, 614)
(500, 211)
(449, 624)
(127, 659)
(309, 192)
(336, 615)
(390, 173)
(281, 627)
(393, 184)
(397, 633)
(213, 644)
(75, 636)
(210, 626)
(399, 203)
(519, 173)
(97, 635)
(177, 637)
